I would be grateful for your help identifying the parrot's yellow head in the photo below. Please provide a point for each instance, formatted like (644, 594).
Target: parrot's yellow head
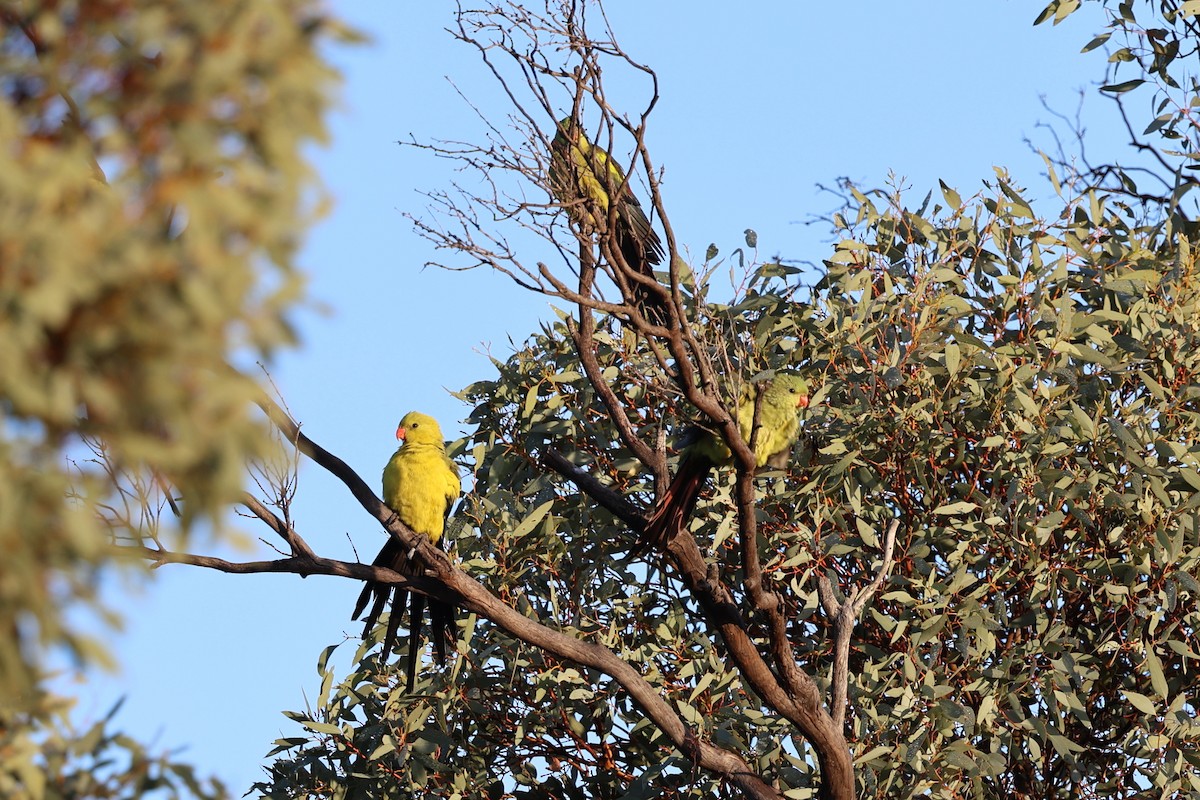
(418, 428)
(570, 131)
(789, 383)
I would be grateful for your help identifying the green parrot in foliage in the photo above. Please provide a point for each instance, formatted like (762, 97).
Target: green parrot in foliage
(778, 427)
(583, 177)
(420, 483)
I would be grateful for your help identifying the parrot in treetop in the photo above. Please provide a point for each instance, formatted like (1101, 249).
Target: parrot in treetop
(582, 177)
(420, 483)
(778, 427)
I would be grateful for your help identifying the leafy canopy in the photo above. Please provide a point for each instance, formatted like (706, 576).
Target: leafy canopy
(1013, 379)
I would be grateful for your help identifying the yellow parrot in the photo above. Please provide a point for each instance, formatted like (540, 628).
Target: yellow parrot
(420, 483)
(583, 176)
(778, 427)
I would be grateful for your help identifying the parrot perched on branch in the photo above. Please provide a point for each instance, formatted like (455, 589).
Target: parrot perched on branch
(778, 427)
(584, 177)
(420, 483)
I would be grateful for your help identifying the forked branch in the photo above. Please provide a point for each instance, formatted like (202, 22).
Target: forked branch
(844, 615)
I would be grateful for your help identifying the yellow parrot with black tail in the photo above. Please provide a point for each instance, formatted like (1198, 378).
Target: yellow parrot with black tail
(420, 483)
(778, 427)
(582, 177)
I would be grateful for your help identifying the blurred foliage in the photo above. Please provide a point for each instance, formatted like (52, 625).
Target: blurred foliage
(1014, 379)
(43, 757)
(153, 192)
(152, 195)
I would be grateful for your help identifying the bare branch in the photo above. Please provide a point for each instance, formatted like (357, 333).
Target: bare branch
(845, 616)
(296, 565)
(582, 335)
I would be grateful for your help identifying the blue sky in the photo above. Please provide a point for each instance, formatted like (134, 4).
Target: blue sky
(760, 103)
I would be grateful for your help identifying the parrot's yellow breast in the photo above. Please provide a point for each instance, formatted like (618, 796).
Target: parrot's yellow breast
(420, 484)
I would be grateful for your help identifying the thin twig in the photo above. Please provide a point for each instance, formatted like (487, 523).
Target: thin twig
(298, 546)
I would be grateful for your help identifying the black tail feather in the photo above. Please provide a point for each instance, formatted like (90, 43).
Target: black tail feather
(442, 627)
(441, 614)
(399, 598)
(363, 596)
(640, 255)
(388, 556)
(416, 619)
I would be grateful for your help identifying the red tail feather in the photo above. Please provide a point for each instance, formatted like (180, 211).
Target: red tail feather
(675, 506)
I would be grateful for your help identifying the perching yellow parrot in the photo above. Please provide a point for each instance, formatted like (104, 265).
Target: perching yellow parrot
(583, 176)
(420, 483)
(778, 427)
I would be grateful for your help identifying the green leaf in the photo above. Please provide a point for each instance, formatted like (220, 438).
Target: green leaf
(1157, 679)
(532, 519)
(951, 509)
(322, 727)
(1064, 746)
(1065, 9)
(388, 745)
(951, 196)
(1124, 86)
(953, 358)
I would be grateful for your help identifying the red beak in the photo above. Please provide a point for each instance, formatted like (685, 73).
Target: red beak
(400, 433)
(802, 402)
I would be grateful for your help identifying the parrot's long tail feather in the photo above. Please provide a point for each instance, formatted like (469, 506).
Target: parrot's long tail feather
(441, 614)
(671, 512)
(441, 626)
(371, 590)
(388, 556)
(416, 617)
(400, 597)
(640, 255)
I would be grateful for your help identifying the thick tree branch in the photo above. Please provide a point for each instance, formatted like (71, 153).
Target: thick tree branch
(800, 703)
(764, 601)
(336, 467)
(747, 500)
(608, 498)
